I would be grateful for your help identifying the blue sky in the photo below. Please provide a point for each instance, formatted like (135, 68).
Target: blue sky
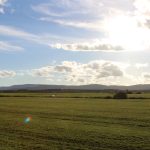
(74, 42)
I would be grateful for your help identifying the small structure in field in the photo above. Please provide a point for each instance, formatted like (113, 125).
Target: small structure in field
(120, 95)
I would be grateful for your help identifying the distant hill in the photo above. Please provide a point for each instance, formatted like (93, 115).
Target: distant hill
(38, 87)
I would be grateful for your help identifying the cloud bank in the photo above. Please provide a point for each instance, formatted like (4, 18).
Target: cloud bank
(79, 73)
(7, 74)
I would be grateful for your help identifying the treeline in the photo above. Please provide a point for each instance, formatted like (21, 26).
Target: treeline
(74, 91)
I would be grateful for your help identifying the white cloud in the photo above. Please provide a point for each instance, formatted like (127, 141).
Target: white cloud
(11, 31)
(51, 41)
(96, 26)
(88, 46)
(87, 14)
(142, 6)
(5, 46)
(7, 74)
(142, 12)
(145, 78)
(139, 65)
(120, 25)
(2, 4)
(79, 73)
(62, 8)
(63, 69)
(1, 11)
(80, 14)
(44, 39)
(146, 75)
(42, 72)
(123, 23)
(94, 72)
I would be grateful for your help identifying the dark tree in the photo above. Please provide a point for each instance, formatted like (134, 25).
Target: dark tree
(120, 95)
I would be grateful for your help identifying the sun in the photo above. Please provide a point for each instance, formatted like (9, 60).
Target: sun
(125, 31)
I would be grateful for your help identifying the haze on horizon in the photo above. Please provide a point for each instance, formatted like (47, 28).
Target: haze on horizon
(74, 42)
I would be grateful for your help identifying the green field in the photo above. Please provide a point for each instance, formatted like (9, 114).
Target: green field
(73, 121)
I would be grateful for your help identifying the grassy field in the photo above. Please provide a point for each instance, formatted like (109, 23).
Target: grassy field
(73, 121)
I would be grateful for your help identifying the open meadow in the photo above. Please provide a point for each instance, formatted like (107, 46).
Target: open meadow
(73, 121)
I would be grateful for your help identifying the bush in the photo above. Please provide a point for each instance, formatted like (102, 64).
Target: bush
(139, 92)
(108, 97)
(129, 92)
(120, 95)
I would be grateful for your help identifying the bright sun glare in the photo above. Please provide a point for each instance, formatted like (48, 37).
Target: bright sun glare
(125, 31)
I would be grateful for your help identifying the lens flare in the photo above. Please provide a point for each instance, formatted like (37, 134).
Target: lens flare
(27, 120)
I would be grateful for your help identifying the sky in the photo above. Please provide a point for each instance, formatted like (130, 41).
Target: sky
(74, 42)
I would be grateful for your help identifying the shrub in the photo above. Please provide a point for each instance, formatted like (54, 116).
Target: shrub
(129, 92)
(139, 92)
(120, 95)
(108, 97)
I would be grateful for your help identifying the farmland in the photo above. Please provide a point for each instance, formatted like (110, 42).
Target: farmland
(73, 121)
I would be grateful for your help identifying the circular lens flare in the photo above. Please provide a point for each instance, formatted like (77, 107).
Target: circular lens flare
(27, 119)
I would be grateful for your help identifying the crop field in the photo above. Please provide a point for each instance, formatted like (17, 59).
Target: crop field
(74, 121)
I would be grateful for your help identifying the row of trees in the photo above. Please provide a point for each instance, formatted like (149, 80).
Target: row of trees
(124, 94)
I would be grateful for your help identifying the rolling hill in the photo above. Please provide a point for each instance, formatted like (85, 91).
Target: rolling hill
(37, 87)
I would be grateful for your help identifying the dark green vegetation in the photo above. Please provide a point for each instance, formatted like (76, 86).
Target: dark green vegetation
(120, 95)
(69, 121)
